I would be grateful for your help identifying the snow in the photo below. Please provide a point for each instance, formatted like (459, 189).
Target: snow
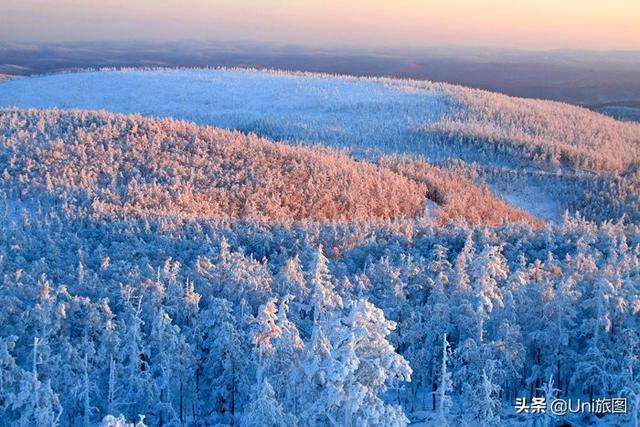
(532, 198)
(367, 116)
(535, 201)
(359, 114)
(349, 338)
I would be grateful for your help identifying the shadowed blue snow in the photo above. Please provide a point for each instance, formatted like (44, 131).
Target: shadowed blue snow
(349, 113)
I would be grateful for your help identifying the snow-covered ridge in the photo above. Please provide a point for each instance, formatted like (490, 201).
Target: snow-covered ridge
(361, 113)
(372, 116)
(355, 113)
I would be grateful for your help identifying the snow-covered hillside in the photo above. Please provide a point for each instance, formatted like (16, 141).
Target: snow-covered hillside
(388, 115)
(375, 116)
(352, 113)
(113, 165)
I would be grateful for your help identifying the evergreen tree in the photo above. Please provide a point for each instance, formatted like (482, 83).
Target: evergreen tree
(225, 372)
(136, 383)
(348, 368)
(445, 385)
(35, 402)
(265, 410)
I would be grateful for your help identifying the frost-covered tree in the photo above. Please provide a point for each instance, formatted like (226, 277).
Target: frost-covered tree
(224, 377)
(549, 392)
(487, 269)
(324, 297)
(348, 365)
(484, 404)
(266, 331)
(265, 410)
(35, 403)
(158, 275)
(166, 345)
(109, 353)
(445, 384)
(136, 383)
(10, 374)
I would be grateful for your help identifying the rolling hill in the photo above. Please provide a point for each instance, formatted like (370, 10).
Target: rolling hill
(128, 166)
(561, 157)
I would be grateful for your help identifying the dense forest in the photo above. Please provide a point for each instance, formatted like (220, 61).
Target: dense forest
(542, 157)
(103, 164)
(309, 324)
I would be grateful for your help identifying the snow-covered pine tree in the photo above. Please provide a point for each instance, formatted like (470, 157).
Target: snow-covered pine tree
(348, 366)
(266, 331)
(109, 353)
(35, 403)
(166, 345)
(324, 297)
(10, 375)
(287, 356)
(445, 384)
(483, 398)
(226, 372)
(266, 411)
(487, 269)
(135, 384)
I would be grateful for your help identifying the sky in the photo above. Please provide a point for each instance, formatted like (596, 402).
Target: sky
(527, 24)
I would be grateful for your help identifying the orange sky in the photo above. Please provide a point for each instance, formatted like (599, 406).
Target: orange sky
(539, 24)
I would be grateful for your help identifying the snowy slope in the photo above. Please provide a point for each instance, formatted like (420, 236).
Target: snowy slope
(368, 116)
(350, 113)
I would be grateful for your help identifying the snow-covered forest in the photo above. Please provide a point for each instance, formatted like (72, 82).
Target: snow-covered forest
(405, 273)
(544, 157)
(312, 324)
(112, 165)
